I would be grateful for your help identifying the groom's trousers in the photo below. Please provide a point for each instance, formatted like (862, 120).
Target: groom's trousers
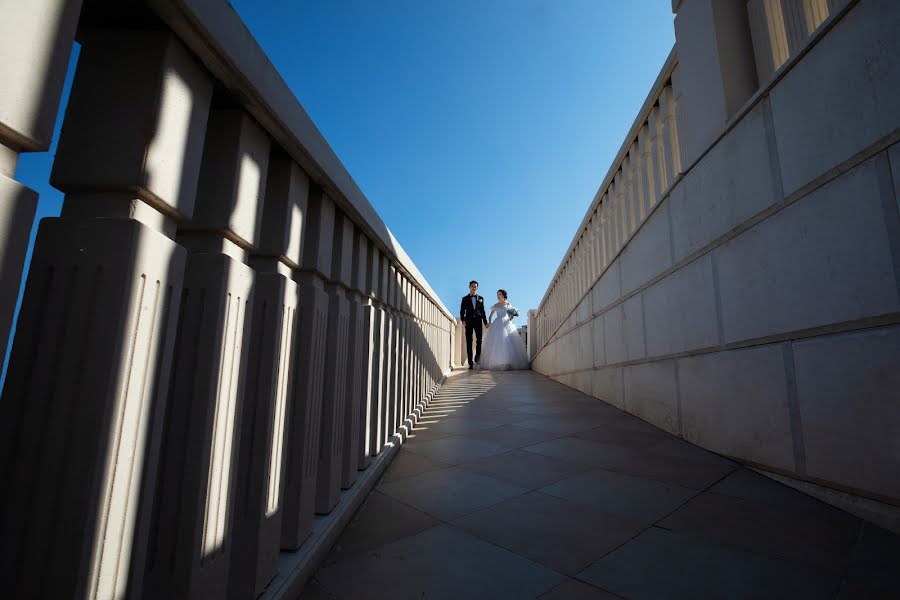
(476, 327)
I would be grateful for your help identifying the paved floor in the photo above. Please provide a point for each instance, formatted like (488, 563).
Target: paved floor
(514, 486)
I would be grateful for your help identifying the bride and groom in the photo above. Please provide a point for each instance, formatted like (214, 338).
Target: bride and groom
(503, 348)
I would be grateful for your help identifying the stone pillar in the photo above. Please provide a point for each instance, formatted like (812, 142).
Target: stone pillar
(389, 354)
(375, 321)
(718, 70)
(309, 368)
(337, 343)
(357, 365)
(532, 333)
(194, 504)
(89, 371)
(269, 382)
(35, 43)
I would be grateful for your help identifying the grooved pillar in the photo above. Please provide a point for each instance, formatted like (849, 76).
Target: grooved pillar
(194, 505)
(309, 368)
(89, 373)
(269, 382)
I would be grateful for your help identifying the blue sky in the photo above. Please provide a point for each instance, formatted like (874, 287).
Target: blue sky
(479, 130)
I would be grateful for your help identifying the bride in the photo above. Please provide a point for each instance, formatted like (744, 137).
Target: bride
(503, 348)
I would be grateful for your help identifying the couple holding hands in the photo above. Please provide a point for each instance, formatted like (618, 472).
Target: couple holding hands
(503, 347)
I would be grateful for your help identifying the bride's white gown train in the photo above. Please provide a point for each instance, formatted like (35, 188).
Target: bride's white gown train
(502, 347)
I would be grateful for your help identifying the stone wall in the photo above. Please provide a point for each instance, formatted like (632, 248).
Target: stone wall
(756, 310)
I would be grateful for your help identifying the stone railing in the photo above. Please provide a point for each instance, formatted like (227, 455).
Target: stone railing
(779, 28)
(749, 301)
(219, 338)
(646, 165)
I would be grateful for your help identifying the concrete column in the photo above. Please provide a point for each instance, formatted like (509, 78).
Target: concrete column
(715, 57)
(269, 382)
(337, 344)
(306, 405)
(35, 43)
(532, 333)
(389, 345)
(194, 505)
(377, 352)
(88, 375)
(357, 365)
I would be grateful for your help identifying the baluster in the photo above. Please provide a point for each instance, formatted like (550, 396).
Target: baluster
(334, 389)
(89, 370)
(357, 372)
(305, 420)
(269, 384)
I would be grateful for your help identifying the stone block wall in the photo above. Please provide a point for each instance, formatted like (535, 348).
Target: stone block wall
(756, 310)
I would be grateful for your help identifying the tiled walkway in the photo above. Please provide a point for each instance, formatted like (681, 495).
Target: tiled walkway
(514, 486)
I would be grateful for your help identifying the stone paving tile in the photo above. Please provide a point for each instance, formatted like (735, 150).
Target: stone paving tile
(874, 567)
(573, 589)
(450, 493)
(526, 469)
(515, 436)
(454, 449)
(380, 520)
(627, 437)
(440, 563)
(695, 474)
(557, 533)
(665, 564)
(407, 464)
(563, 424)
(809, 533)
(618, 494)
(721, 531)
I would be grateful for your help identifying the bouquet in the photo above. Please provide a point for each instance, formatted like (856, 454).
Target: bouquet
(512, 313)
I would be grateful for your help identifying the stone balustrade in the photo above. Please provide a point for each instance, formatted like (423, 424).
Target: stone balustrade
(220, 342)
(741, 288)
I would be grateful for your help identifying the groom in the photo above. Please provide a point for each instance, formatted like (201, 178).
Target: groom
(471, 312)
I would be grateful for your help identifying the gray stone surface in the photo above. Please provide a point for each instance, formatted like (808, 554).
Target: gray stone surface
(66, 424)
(634, 498)
(840, 266)
(450, 493)
(614, 335)
(733, 182)
(599, 343)
(848, 392)
(651, 393)
(146, 84)
(649, 253)
(633, 328)
(526, 469)
(439, 563)
(193, 527)
(680, 311)
(608, 288)
(559, 534)
(664, 564)
(607, 385)
(839, 99)
(736, 403)
(894, 155)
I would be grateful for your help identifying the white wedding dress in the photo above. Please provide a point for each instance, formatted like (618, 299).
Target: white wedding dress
(502, 348)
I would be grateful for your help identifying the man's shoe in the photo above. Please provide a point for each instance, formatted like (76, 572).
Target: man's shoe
(471, 367)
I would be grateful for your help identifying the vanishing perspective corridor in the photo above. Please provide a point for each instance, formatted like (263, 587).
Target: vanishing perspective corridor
(515, 486)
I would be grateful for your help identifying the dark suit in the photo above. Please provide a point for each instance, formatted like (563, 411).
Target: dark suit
(473, 317)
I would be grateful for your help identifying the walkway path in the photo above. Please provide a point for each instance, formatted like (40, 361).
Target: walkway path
(515, 486)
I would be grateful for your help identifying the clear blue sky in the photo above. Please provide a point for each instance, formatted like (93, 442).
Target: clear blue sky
(479, 129)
